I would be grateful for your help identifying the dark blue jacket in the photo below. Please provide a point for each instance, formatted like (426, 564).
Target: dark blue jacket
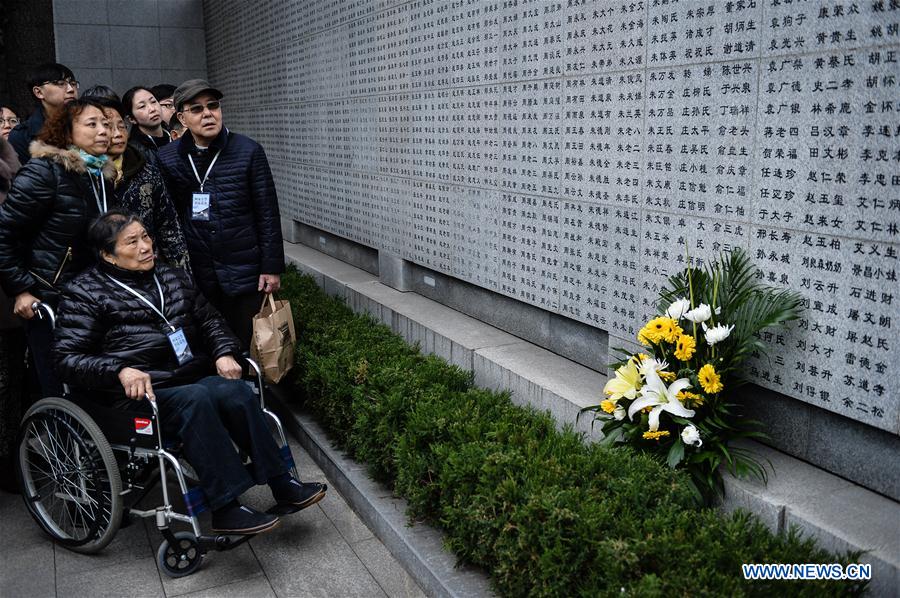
(25, 132)
(242, 238)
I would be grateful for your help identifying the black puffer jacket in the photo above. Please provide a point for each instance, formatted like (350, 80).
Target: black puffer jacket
(44, 221)
(242, 238)
(102, 328)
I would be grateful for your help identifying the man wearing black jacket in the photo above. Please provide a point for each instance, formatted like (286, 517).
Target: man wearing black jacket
(224, 192)
(52, 86)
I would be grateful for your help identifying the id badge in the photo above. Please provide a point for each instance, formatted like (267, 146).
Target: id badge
(200, 206)
(180, 346)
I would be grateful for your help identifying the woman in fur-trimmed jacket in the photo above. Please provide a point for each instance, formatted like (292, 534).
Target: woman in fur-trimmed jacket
(43, 224)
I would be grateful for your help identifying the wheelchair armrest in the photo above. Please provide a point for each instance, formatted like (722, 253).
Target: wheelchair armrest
(42, 310)
(253, 368)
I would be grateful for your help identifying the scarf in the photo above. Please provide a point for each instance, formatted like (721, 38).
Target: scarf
(118, 163)
(94, 164)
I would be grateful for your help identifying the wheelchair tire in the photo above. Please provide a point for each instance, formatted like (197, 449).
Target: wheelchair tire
(183, 558)
(69, 476)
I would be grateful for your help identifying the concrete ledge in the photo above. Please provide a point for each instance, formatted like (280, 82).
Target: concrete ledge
(839, 514)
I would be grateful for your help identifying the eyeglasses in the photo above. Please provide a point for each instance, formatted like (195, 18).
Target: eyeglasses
(199, 108)
(10, 121)
(62, 83)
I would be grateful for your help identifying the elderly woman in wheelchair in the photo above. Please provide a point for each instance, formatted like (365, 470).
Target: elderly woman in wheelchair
(138, 336)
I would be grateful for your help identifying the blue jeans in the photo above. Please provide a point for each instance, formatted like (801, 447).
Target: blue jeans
(206, 416)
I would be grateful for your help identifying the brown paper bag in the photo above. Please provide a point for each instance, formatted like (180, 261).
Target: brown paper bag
(274, 338)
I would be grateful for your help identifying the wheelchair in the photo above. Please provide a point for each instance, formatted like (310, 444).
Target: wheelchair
(82, 466)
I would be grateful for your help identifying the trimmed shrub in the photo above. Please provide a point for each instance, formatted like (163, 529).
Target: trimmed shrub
(543, 512)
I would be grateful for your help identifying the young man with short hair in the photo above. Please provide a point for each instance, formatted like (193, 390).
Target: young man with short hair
(224, 192)
(145, 115)
(53, 86)
(164, 93)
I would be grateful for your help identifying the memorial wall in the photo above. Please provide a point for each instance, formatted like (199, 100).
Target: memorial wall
(570, 153)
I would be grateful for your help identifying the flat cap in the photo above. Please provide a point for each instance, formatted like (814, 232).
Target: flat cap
(190, 89)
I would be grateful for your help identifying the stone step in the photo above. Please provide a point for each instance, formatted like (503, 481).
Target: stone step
(839, 513)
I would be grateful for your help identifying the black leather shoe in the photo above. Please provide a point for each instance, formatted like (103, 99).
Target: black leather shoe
(300, 494)
(242, 520)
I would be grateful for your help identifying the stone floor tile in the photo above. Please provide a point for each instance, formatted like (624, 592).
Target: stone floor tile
(17, 525)
(218, 568)
(392, 578)
(130, 579)
(129, 544)
(316, 569)
(347, 522)
(28, 572)
(256, 587)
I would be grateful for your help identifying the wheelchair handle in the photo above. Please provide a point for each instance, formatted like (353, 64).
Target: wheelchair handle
(40, 309)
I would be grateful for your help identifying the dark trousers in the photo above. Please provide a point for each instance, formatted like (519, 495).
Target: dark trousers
(40, 345)
(12, 400)
(206, 416)
(238, 311)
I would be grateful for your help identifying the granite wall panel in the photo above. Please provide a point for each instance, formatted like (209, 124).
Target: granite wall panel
(573, 154)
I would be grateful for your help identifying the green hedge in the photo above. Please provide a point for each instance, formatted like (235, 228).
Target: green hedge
(543, 512)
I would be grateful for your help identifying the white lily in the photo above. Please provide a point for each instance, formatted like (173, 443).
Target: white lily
(717, 333)
(619, 413)
(661, 398)
(653, 364)
(678, 308)
(699, 314)
(690, 436)
(624, 384)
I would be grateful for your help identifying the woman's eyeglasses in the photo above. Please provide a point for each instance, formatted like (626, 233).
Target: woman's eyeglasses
(9, 121)
(199, 108)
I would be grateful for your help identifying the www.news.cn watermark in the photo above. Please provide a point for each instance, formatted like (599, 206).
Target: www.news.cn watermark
(834, 571)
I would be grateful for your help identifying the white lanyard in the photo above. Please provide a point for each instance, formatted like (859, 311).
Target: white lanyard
(208, 170)
(100, 207)
(162, 300)
(153, 139)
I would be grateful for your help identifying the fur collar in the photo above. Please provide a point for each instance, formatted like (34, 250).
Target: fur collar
(68, 159)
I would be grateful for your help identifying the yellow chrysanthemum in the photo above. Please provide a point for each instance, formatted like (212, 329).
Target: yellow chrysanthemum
(608, 406)
(656, 435)
(685, 347)
(709, 379)
(690, 398)
(666, 376)
(658, 330)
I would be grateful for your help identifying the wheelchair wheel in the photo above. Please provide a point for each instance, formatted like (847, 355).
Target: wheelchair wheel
(69, 475)
(182, 558)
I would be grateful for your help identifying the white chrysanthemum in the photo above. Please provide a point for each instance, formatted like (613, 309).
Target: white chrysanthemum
(717, 333)
(678, 308)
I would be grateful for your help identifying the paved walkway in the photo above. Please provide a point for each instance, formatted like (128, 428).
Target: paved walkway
(324, 550)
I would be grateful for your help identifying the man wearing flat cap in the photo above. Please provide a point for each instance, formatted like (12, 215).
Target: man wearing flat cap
(223, 189)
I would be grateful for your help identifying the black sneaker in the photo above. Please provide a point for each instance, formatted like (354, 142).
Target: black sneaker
(299, 494)
(242, 520)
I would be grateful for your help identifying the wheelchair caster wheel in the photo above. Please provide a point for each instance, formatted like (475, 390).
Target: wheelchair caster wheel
(180, 559)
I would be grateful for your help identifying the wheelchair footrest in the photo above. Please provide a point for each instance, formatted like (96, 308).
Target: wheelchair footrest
(221, 542)
(282, 510)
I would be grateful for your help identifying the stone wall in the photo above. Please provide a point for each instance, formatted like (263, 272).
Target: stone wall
(123, 43)
(568, 154)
